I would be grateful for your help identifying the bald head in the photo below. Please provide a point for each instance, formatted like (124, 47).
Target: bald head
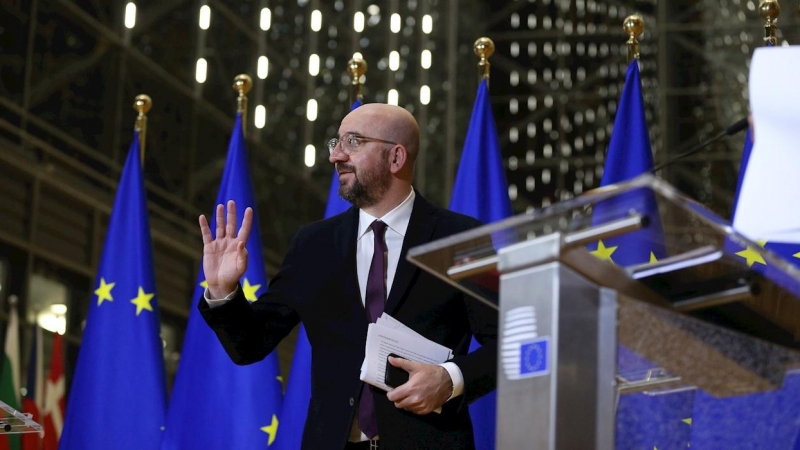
(388, 122)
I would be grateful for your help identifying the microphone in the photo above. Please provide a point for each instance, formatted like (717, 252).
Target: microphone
(730, 131)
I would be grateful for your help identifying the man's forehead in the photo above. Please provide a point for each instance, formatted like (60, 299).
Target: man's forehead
(356, 124)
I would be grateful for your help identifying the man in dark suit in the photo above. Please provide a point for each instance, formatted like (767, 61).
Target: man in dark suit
(338, 276)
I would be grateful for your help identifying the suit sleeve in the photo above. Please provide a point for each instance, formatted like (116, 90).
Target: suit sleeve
(479, 367)
(249, 332)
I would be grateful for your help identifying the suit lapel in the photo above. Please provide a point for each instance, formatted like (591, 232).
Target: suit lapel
(345, 237)
(421, 226)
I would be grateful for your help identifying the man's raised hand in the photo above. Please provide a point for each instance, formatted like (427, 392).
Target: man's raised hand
(225, 255)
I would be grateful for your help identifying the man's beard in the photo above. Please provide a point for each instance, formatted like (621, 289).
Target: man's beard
(368, 189)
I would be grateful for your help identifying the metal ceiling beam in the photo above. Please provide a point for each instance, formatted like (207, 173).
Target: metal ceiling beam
(274, 159)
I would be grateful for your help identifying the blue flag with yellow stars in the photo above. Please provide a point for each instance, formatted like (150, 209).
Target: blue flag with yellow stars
(768, 420)
(660, 420)
(118, 392)
(298, 388)
(629, 156)
(215, 403)
(481, 191)
(652, 420)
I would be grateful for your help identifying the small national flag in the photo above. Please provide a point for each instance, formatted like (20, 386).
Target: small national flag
(34, 391)
(118, 391)
(9, 382)
(481, 191)
(54, 404)
(215, 403)
(298, 389)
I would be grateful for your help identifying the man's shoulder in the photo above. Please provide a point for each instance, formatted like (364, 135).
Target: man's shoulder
(328, 225)
(450, 221)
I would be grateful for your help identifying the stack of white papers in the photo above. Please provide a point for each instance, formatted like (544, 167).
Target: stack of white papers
(389, 335)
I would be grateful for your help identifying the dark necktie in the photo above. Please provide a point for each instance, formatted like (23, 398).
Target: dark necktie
(373, 303)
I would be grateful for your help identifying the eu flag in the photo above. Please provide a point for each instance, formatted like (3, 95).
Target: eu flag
(748, 147)
(768, 420)
(629, 155)
(644, 420)
(118, 391)
(298, 389)
(481, 191)
(215, 403)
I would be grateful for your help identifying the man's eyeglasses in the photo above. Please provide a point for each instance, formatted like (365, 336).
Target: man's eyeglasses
(352, 143)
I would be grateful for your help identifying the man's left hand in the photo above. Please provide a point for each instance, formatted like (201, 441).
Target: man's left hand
(429, 386)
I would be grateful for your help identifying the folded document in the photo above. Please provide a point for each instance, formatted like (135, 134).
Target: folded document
(389, 335)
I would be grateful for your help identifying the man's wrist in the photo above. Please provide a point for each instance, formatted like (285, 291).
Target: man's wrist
(219, 292)
(456, 378)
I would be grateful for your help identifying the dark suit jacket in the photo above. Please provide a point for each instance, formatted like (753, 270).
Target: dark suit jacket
(318, 284)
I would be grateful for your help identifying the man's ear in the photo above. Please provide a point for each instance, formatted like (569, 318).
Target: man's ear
(398, 157)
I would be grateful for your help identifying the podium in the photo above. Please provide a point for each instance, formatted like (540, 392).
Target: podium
(632, 289)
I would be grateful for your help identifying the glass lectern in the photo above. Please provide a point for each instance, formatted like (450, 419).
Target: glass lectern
(629, 290)
(15, 422)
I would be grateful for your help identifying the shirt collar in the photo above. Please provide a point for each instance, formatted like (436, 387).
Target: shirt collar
(396, 219)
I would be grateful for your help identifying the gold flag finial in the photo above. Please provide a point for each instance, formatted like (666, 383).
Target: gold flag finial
(356, 67)
(769, 10)
(484, 48)
(242, 84)
(142, 104)
(634, 27)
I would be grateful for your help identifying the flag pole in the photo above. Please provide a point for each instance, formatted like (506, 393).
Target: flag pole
(634, 27)
(356, 67)
(484, 48)
(142, 103)
(242, 84)
(769, 10)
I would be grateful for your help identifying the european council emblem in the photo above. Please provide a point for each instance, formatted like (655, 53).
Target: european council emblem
(533, 357)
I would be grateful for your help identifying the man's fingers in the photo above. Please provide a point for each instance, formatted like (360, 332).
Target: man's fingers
(247, 224)
(230, 225)
(220, 221)
(397, 396)
(412, 406)
(205, 231)
(241, 256)
(405, 364)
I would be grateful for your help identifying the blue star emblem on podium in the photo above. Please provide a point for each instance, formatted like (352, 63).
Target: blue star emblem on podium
(534, 357)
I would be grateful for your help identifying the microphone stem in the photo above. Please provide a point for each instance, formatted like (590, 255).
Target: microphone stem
(740, 125)
(697, 148)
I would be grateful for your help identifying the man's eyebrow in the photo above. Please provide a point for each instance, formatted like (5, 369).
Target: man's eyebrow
(354, 133)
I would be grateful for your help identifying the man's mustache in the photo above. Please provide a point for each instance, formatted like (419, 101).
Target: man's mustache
(345, 168)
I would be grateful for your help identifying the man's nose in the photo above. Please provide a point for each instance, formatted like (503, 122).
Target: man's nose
(338, 154)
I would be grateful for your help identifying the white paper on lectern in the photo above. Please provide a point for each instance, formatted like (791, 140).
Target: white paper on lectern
(767, 208)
